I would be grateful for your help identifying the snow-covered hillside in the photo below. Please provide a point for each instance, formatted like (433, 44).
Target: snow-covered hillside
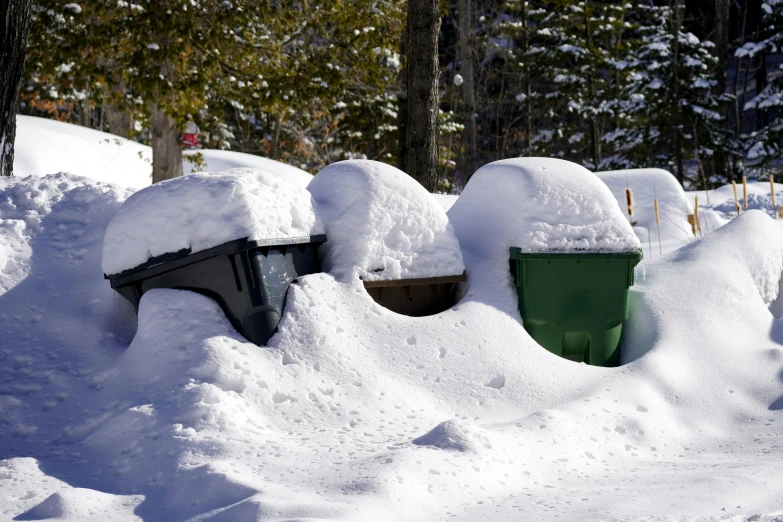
(356, 413)
(48, 146)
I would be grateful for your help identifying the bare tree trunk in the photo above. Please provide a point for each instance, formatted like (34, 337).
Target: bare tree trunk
(528, 82)
(676, 24)
(762, 119)
(85, 113)
(402, 106)
(276, 136)
(166, 150)
(468, 86)
(15, 20)
(721, 41)
(422, 132)
(595, 132)
(117, 121)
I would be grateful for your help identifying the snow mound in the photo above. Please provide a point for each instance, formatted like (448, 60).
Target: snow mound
(382, 224)
(222, 160)
(455, 435)
(673, 206)
(201, 211)
(45, 146)
(80, 504)
(539, 205)
(27, 202)
(106, 157)
(25, 488)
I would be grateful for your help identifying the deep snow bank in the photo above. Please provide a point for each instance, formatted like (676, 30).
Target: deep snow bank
(382, 224)
(187, 420)
(201, 211)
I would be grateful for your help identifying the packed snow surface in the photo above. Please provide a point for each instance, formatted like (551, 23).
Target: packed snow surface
(356, 413)
(673, 206)
(539, 205)
(382, 224)
(46, 146)
(201, 211)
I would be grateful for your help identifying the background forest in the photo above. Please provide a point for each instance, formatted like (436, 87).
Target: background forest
(690, 86)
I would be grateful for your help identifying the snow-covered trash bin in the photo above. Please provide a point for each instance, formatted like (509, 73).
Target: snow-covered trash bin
(572, 251)
(238, 238)
(387, 230)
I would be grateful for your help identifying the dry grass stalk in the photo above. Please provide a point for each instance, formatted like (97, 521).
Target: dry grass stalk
(745, 192)
(629, 202)
(772, 193)
(736, 199)
(739, 208)
(658, 224)
(696, 214)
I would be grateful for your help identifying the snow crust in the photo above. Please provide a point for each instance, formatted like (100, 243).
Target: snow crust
(201, 211)
(673, 207)
(356, 413)
(539, 204)
(382, 224)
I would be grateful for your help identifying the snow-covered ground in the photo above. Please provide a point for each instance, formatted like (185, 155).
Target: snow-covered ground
(356, 413)
(47, 146)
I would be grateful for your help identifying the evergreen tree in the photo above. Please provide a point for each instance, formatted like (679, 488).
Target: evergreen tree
(172, 62)
(673, 115)
(763, 146)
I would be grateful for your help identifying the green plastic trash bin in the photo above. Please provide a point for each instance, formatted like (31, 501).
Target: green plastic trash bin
(574, 304)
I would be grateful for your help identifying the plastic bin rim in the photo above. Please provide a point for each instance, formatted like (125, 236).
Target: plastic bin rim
(184, 257)
(517, 254)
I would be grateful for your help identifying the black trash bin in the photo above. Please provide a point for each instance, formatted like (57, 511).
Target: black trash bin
(248, 279)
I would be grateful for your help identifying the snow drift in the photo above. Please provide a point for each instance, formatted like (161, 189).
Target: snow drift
(356, 413)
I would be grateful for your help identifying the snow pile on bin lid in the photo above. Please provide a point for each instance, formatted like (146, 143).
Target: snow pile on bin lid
(539, 205)
(201, 211)
(382, 224)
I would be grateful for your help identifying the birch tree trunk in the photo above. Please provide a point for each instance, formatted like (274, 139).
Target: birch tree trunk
(422, 130)
(166, 150)
(15, 20)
